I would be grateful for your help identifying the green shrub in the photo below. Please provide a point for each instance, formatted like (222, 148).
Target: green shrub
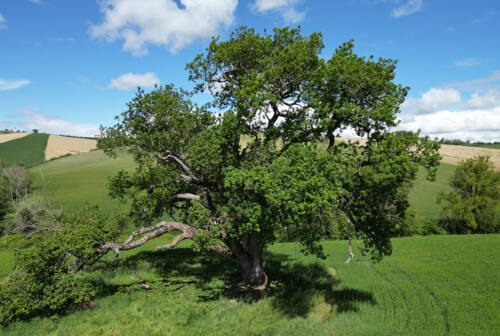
(472, 205)
(45, 279)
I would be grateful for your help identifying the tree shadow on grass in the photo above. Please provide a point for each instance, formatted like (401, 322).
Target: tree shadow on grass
(295, 289)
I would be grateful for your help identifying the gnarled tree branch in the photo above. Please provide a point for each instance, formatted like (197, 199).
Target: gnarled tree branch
(188, 196)
(188, 232)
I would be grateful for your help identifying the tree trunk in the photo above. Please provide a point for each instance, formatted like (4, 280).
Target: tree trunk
(249, 255)
(252, 270)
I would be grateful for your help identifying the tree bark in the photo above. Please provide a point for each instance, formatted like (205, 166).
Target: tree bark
(351, 255)
(249, 255)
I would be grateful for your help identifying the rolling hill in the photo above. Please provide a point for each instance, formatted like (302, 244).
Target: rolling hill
(28, 150)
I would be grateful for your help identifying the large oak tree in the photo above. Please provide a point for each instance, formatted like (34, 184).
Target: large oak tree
(260, 163)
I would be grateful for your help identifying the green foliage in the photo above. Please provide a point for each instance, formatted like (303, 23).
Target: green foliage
(44, 280)
(15, 185)
(27, 151)
(279, 95)
(472, 205)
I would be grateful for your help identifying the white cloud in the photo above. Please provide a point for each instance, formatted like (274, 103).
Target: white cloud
(489, 99)
(287, 8)
(3, 22)
(473, 125)
(131, 81)
(432, 100)
(476, 83)
(55, 125)
(469, 62)
(407, 8)
(6, 84)
(162, 22)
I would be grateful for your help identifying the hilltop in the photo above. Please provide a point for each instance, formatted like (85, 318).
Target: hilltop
(453, 154)
(33, 148)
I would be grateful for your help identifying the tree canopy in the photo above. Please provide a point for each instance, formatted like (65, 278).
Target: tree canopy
(260, 162)
(472, 205)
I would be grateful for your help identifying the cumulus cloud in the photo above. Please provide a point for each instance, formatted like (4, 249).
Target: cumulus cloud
(131, 81)
(432, 100)
(474, 125)
(3, 22)
(469, 62)
(55, 125)
(489, 99)
(6, 84)
(287, 8)
(407, 7)
(162, 22)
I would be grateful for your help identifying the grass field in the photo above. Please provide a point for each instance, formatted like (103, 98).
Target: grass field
(438, 285)
(424, 193)
(28, 151)
(73, 180)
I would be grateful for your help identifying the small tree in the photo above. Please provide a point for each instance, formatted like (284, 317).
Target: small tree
(472, 205)
(268, 167)
(35, 130)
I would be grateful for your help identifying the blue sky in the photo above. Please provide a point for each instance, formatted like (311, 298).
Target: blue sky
(67, 67)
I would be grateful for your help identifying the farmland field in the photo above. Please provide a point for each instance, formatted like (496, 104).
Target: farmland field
(438, 285)
(424, 193)
(71, 181)
(4, 137)
(28, 150)
(61, 145)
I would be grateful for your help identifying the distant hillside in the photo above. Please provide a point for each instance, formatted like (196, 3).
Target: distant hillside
(32, 149)
(72, 181)
(61, 145)
(4, 137)
(28, 150)
(453, 154)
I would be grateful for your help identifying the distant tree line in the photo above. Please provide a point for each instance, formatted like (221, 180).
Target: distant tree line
(466, 143)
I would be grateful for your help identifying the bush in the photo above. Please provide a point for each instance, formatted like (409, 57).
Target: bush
(430, 226)
(472, 205)
(15, 183)
(45, 279)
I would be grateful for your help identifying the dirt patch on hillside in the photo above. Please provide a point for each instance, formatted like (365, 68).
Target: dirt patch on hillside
(12, 136)
(454, 154)
(60, 145)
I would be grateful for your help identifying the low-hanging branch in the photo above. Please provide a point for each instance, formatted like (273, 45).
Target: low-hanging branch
(188, 232)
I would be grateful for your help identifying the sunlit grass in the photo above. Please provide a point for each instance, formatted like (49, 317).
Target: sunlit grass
(441, 285)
